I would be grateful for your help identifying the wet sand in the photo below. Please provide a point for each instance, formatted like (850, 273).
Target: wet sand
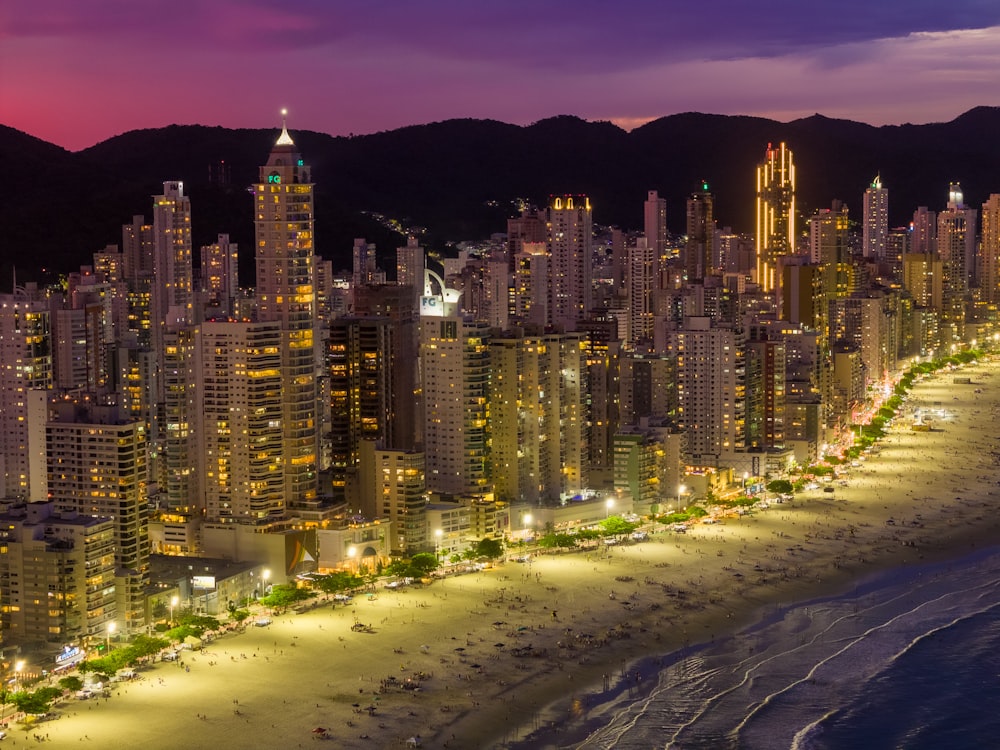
(498, 653)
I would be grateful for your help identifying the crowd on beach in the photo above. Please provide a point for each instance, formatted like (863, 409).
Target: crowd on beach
(473, 661)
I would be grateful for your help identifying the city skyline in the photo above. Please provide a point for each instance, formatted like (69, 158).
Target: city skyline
(82, 75)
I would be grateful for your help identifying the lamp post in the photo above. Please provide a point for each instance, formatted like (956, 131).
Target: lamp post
(352, 552)
(265, 576)
(173, 603)
(111, 632)
(680, 492)
(608, 505)
(526, 523)
(18, 668)
(746, 476)
(438, 533)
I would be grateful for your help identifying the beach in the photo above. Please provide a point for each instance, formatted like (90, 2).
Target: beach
(522, 652)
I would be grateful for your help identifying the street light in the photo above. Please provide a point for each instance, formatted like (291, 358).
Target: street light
(351, 554)
(265, 576)
(111, 631)
(526, 522)
(746, 476)
(173, 603)
(437, 543)
(609, 504)
(18, 668)
(680, 491)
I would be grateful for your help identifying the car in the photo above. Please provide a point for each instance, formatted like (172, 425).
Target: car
(640, 536)
(522, 558)
(169, 656)
(828, 489)
(610, 540)
(342, 597)
(263, 622)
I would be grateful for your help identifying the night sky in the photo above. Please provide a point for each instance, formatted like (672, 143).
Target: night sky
(76, 72)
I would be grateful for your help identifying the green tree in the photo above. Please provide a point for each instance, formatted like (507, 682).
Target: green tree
(285, 595)
(781, 486)
(617, 526)
(422, 563)
(32, 703)
(491, 549)
(71, 683)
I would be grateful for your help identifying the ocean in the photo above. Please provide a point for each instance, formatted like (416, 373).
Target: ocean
(909, 660)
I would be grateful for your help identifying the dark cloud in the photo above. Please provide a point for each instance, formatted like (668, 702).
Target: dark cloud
(579, 34)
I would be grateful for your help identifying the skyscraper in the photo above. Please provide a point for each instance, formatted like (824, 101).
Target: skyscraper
(956, 245)
(286, 295)
(875, 219)
(240, 422)
(25, 365)
(97, 466)
(700, 235)
(570, 245)
(655, 223)
(989, 251)
(775, 226)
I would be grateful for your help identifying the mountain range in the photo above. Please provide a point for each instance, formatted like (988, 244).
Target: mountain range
(461, 179)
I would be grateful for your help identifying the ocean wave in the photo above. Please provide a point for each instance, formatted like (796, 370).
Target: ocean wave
(784, 683)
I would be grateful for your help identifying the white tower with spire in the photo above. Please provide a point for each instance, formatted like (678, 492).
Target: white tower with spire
(286, 294)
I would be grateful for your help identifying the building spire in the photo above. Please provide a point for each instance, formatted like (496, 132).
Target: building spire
(284, 139)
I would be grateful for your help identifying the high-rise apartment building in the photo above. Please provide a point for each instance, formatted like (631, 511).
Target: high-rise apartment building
(956, 246)
(97, 466)
(710, 390)
(655, 223)
(570, 239)
(875, 220)
(57, 573)
(286, 295)
(172, 293)
(989, 251)
(455, 367)
(775, 211)
(25, 366)
(700, 241)
(240, 422)
(534, 447)
(220, 273)
(642, 279)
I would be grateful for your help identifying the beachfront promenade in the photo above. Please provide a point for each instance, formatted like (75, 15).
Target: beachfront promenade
(474, 661)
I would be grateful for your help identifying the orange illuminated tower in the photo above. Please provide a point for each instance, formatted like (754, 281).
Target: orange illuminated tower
(775, 229)
(286, 295)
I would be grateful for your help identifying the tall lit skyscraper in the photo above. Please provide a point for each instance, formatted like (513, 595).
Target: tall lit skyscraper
(571, 247)
(956, 245)
(455, 365)
(172, 292)
(220, 272)
(700, 234)
(875, 219)
(655, 223)
(25, 366)
(642, 282)
(989, 251)
(286, 294)
(240, 422)
(775, 227)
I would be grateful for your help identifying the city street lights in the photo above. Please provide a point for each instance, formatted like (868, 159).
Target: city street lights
(437, 543)
(352, 552)
(609, 504)
(18, 668)
(173, 603)
(746, 476)
(111, 631)
(680, 492)
(526, 522)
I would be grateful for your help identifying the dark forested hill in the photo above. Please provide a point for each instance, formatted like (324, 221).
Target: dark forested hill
(458, 179)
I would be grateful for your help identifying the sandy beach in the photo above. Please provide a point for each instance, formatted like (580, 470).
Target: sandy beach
(478, 661)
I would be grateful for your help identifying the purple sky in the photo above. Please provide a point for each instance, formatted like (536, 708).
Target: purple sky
(76, 72)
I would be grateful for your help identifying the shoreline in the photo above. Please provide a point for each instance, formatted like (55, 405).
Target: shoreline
(483, 660)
